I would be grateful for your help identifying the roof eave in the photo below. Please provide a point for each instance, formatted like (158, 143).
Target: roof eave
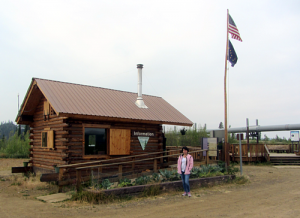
(103, 118)
(29, 90)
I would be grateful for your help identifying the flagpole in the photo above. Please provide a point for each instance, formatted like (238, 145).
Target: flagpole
(225, 149)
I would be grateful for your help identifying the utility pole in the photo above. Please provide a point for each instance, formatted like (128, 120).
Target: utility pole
(257, 133)
(19, 127)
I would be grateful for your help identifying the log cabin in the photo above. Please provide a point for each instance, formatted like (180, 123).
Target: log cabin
(73, 123)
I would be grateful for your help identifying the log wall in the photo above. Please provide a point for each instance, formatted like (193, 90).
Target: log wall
(45, 158)
(68, 142)
(75, 144)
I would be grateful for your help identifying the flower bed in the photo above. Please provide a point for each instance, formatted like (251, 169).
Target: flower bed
(199, 182)
(165, 179)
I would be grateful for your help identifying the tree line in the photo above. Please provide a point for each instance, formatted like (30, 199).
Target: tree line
(15, 142)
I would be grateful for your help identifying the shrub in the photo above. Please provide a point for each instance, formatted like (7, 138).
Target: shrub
(143, 180)
(192, 137)
(106, 184)
(231, 170)
(16, 146)
(124, 182)
(156, 177)
(168, 175)
(195, 172)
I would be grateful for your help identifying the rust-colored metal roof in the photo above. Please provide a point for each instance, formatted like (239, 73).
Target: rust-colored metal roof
(68, 98)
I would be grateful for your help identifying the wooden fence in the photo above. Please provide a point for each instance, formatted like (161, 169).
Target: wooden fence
(288, 148)
(250, 153)
(197, 156)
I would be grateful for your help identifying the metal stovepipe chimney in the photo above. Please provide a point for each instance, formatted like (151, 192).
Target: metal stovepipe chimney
(140, 102)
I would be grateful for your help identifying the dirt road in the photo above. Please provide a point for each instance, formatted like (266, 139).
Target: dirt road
(271, 192)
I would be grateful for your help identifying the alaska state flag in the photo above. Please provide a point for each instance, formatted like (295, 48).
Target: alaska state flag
(232, 58)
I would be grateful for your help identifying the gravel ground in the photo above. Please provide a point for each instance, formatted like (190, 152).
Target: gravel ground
(270, 192)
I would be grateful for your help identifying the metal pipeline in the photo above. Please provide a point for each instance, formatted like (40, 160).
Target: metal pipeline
(285, 127)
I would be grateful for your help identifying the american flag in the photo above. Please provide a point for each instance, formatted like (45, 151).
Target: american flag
(233, 30)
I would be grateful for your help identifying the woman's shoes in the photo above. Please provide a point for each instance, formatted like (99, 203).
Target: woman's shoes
(189, 194)
(184, 194)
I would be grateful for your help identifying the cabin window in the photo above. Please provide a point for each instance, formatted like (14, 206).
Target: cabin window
(48, 139)
(44, 139)
(95, 141)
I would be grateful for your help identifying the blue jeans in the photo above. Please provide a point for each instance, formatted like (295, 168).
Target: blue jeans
(185, 182)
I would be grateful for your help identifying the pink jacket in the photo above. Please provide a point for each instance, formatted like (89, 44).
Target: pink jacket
(189, 164)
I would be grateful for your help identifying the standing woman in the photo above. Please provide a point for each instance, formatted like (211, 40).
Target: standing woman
(184, 165)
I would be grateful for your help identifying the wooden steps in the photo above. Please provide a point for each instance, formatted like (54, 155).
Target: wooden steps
(285, 160)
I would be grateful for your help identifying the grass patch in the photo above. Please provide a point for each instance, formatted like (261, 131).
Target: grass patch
(31, 181)
(240, 180)
(16, 183)
(7, 163)
(151, 191)
(41, 200)
(98, 198)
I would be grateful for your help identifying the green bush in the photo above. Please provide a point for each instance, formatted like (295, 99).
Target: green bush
(156, 177)
(106, 184)
(16, 146)
(124, 182)
(195, 172)
(143, 180)
(231, 170)
(169, 175)
(192, 137)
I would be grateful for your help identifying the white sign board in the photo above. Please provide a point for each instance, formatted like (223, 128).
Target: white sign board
(295, 136)
(212, 143)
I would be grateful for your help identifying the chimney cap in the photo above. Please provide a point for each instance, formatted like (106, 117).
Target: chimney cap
(139, 66)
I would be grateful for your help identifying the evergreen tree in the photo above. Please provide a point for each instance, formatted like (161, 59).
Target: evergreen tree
(26, 129)
(221, 125)
(266, 138)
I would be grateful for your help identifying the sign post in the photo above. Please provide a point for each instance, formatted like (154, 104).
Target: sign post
(240, 137)
(295, 138)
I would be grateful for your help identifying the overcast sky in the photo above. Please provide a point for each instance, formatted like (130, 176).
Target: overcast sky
(181, 44)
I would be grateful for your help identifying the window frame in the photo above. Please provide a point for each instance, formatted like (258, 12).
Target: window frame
(50, 141)
(96, 126)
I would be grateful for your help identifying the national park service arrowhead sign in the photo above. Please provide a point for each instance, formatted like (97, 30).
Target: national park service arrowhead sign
(143, 141)
(143, 136)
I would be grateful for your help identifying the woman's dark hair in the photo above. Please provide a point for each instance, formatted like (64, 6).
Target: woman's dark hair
(185, 148)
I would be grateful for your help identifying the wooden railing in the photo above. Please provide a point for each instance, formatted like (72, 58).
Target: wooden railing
(266, 153)
(250, 153)
(287, 148)
(198, 156)
(99, 167)
(62, 168)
